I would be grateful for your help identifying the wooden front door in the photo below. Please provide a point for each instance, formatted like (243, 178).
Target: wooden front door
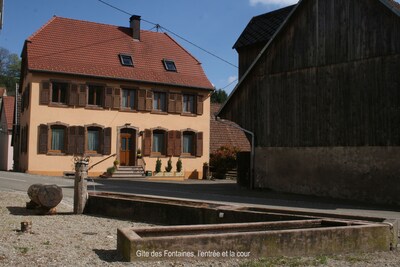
(127, 151)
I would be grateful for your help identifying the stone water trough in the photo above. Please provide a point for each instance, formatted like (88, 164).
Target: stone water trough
(212, 230)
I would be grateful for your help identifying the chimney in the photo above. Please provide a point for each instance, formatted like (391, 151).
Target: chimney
(135, 26)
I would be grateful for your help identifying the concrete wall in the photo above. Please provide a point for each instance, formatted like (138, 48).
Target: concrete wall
(360, 173)
(6, 152)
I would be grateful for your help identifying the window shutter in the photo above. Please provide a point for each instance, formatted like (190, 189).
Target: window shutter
(73, 95)
(171, 103)
(108, 98)
(117, 98)
(149, 100)
(44, 98)
(43, 139)
(178, 103)
(141, 100)
(147, 143)
(199, 144)
(199, 105)
(72, 131)
(107, 141)
(171, 143)
(178, 144)
(80, 140)
(82, 96)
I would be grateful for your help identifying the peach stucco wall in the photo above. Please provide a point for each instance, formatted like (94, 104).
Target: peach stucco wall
(56, 165)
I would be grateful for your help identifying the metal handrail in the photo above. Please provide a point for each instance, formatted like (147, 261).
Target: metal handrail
(91, 167)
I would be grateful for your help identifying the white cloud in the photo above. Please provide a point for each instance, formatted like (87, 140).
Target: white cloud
(273, 2)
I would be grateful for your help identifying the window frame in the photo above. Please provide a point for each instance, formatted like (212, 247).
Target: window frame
(99, 129)
(56, 86)
(185, 104)
(163, 153)
(123, 57)
(158, 102)
(99, 91)
(132, 92)
(50, 149)
(193, 136)
(167, 65)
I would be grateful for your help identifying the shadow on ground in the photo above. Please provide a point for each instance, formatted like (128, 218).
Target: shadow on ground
(109, 255)
(22, 211)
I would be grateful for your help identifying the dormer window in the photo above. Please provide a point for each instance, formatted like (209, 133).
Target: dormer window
(169, 65)
(126, 60)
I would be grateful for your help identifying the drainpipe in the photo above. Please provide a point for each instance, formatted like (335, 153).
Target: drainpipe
(252, 148)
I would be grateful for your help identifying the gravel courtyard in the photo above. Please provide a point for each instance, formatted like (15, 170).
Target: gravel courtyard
(80, 240)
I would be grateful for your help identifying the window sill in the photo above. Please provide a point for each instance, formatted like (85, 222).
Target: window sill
(128, 110)
(54, 153)
(157, 155)
(188, 156)
(159, 112)
(189, 114)
(58, 105)
(94, 107)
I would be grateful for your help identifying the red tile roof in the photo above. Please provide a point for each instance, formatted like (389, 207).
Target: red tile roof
(8, 106)
(80, 47)
(222, 134)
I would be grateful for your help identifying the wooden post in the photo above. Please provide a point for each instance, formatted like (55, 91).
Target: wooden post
(80, 185)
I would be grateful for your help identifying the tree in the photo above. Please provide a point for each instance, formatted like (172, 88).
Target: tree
(219, 96)
(10, 69)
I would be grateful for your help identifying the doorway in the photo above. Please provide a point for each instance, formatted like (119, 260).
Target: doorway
(127, 150)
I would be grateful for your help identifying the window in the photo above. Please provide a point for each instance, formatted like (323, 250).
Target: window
(126, 60)
(188, 103)
(93, 140)
(158, 142)
(59, 92)
(159, 103)
(188, 143)
(128, 98)
(58, 138)
(95, 95)
(169, 65)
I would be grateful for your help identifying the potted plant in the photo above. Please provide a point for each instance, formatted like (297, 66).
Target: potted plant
(139, 153)
(168, 168)
(179, 168)
(116, 163)
(158, 167)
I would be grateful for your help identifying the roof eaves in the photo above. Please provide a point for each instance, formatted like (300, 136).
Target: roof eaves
(123, 79)
(392, 5)
(265, 48)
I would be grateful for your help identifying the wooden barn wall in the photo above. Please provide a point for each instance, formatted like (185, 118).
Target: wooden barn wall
(247, 56)
(330, 78)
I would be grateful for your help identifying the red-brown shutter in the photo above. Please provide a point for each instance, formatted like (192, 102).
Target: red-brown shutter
(82, 96)
(178, 103)
(71, 140)
(117, 98)
(43, 139)
(80, 140)
(199, 105)
(171, 102)
(107, 141)
(199, 144)
(73, 95)
(141, 100)
(147, 143)
(171, 143)
(149, 100)
(178, 144)
(108, 98)
(44, 98)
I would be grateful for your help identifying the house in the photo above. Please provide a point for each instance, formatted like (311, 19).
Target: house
(225, 134)
(111, 93)
(322, 98)
(6, 126)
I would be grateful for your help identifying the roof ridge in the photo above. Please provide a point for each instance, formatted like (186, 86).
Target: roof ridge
(41, 28)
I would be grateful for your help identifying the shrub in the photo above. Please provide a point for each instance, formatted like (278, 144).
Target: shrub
(116, 162)
(169, 165)
(223, 159)
(158, 165)
(179, 165)
(111, 170)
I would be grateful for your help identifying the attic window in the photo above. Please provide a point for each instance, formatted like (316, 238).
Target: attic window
(169, 65)
(126, 60)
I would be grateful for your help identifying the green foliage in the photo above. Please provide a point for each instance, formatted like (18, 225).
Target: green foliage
(10, 67)
(111, 170)
(179, 165)
(219, 96)
(158, 165)
(116, 162)
(223, 159)
(169, 166)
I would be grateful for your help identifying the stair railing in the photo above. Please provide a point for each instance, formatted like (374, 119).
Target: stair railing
(91, 167)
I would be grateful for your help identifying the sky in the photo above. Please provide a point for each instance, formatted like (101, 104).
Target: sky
(213, 25)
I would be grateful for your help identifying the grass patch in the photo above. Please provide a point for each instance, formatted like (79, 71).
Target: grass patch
(22, 250)
(47, 243)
